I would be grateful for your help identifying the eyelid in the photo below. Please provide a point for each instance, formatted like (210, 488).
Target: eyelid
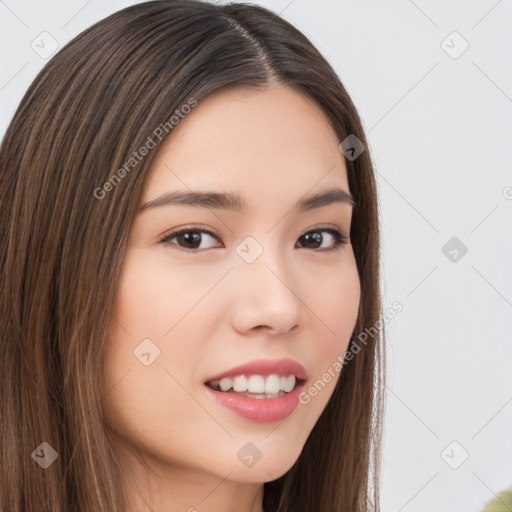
(325, 226)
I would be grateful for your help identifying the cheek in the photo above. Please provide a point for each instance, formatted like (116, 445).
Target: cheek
(335, 303)
(157, 310)
(152, 299)
(336, 306)
(154, 295)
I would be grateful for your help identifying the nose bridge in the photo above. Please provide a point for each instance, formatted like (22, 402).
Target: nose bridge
(266, 287)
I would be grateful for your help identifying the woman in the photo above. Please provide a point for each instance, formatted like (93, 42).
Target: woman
(143, 369)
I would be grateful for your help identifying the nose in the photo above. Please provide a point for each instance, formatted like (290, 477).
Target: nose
(265, 296)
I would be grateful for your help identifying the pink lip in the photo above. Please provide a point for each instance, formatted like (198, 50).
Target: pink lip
(265, 367)
(261, 410)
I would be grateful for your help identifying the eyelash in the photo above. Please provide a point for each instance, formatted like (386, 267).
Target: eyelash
(339, 237)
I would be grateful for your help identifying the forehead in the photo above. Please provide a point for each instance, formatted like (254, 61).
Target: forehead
(261, 142)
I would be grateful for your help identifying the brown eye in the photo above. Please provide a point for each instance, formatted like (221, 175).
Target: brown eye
(189, 238)
(315, 238)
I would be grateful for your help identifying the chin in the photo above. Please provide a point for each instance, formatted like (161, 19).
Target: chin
(270, 466)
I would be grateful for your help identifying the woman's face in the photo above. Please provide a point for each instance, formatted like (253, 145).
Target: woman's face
(267, 285)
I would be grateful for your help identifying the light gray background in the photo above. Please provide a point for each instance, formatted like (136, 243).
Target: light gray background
(440, 131)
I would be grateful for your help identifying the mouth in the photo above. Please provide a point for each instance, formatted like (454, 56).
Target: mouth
(263, 390)
(256, 386)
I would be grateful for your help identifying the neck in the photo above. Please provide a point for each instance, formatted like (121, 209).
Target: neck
(156, 486)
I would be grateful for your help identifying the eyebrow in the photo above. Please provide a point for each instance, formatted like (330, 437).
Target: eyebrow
(233, 202)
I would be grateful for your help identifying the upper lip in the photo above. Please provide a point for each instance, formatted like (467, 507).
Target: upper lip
(264, 367)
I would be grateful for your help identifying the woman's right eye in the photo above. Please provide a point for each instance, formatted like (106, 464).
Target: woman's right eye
(191, 238)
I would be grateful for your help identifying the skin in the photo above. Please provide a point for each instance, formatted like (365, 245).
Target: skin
(210, 310)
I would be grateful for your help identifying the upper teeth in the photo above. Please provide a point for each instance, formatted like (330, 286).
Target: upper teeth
(256, 383)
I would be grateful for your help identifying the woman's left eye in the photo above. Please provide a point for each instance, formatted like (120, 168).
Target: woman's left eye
(191, 237)
(314, 235)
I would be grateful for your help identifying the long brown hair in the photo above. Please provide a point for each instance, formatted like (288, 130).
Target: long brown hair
(63, 237)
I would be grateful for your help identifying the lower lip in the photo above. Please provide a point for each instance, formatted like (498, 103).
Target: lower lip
(261, 410)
